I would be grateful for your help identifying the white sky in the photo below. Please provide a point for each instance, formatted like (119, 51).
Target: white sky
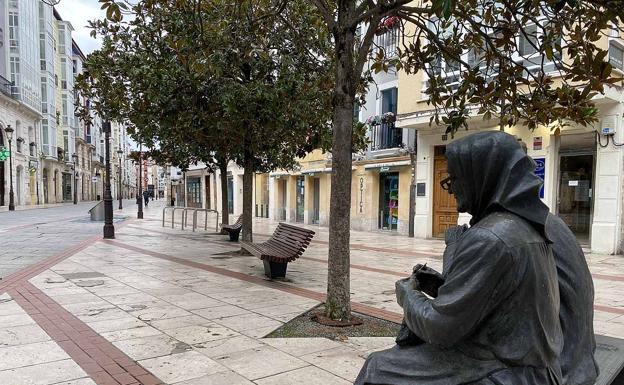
(78, 12)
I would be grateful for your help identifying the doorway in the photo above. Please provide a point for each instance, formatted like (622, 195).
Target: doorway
(283, 187)
(316, 201)
(389, 201)
(230, 197)
(445, 213)
(300, 198)
(45, 186)
(193, 191)
(574, 205)
(67, 186)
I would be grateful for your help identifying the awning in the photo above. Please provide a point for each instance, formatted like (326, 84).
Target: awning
(278, 174)
(316, 170)
(387, 164)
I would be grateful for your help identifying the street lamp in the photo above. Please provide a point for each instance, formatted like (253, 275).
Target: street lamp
(75, 158)
(140, 197)
(109, 229)
(119, 153)
(9, 132)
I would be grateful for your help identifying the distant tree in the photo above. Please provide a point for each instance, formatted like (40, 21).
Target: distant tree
(497, 80)
(216, 81)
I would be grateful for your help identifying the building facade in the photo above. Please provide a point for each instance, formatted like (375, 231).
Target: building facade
(583, 170)
(57, 157)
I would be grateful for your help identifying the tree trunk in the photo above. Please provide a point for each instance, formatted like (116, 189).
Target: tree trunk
(225, 211)
(248, 196)
(338, 305)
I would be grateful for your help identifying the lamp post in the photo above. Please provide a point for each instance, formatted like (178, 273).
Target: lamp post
(75, 159)
(140, 197)
(119, 153)
(9, 132)
(109, 229)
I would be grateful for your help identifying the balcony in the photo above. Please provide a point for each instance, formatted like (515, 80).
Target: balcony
(385, 136)
(6, 86)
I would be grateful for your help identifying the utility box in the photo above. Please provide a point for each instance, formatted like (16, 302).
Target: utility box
(608, 126)
(97, 212)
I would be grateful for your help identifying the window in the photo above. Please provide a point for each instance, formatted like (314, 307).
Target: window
(65, 110)
(63, 74)
(528, 41)
(389, 101)
(616, 55)
(13, 30)
(45, 136)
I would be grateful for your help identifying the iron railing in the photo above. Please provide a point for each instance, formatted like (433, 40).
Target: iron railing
(385, 136)
(6, 86)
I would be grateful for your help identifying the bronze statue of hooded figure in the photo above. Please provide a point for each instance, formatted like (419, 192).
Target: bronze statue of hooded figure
(495, 320)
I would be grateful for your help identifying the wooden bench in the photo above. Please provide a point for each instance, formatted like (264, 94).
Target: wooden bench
(285, 245)
(234, 229)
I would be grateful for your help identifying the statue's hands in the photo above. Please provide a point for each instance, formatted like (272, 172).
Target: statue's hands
(402, 286)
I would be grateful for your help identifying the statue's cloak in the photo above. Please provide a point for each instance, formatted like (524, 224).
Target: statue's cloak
(496, 317)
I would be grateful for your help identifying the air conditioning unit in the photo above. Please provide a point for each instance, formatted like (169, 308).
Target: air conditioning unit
(609, 124)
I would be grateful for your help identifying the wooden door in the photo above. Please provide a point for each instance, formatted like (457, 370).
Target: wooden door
(444, 205)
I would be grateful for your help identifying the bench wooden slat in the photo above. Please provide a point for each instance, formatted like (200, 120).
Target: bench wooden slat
(286, 244)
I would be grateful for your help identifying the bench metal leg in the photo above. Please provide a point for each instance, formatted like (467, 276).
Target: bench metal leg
(275, 269)
(234, 235)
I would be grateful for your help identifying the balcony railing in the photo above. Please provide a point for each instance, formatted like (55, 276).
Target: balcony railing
(6, 86)
(385, 136)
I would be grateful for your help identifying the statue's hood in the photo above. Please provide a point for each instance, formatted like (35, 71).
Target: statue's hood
(496, 175)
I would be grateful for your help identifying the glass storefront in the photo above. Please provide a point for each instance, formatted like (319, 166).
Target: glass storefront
(193, 190)
(67, 186)
(300, 196)
(575, 193)
(389, 201)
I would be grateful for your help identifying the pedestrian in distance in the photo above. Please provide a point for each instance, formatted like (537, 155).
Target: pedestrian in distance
(146, 197)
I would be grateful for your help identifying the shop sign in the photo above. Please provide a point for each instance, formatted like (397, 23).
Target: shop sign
(537, 143)
(540, 170)
(384, 169)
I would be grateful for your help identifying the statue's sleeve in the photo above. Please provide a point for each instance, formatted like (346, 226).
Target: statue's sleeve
(480, 277)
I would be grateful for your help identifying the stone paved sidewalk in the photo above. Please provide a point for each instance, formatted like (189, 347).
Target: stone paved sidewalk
(161, 305)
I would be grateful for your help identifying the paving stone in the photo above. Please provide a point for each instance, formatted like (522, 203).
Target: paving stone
(260, 362)
(15, 320)
(226, 346)
(12, 357)
(221, 378)
(199, 334)
(127, 322)
(21, 335)
(301, 346)
(309, 376)
(159, 313)
(343, 362)
(248, 322)
(180, 367)
(221, 311)
(150, 347)
(178, 322)
(191, 301)
(43, 374)
(126, 334)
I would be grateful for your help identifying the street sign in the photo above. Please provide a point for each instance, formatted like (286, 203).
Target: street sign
(4, 154)
(94, 179)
